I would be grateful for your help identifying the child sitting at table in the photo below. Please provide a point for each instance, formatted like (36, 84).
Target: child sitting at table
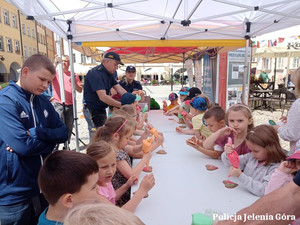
(240, 123)
(100, 214)
(215, 120)
(117, 130)
(183, 93)
(112, 109)
(198, 107)
(129, 98)
(129, 112)
(173, 97)
(255, 168)
(105, 156)
(286, 171)
(67, 179)
(185, 106)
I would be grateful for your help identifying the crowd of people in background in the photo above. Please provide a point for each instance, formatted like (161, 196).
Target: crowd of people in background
(41, 185)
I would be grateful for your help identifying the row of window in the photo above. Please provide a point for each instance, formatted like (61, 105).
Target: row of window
(29, 32)
(6, 19)
(9, 47)
(280, 62)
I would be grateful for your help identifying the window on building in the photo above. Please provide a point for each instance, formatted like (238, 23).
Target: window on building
(0, 15)
(6, 17)
(30, 51)
(93, 61)
(33, 33)
(23, 29)
(295, 62)
(25, 52)
(74, 58)
(17, 47)
(8, 44)
(34, 50)
(267, 64)
(83, 58)
(28, 32)
(279, 63)
(1, 44)
(14, 21)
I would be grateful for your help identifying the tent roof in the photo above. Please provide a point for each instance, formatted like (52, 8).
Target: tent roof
(163, 54)
(144, 23)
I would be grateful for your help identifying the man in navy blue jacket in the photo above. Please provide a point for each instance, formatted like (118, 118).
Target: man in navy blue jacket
(30, 128)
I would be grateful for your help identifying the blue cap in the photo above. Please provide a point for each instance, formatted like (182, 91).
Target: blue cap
(199, 103)
(184, 91)
(173, 96)
(129, 98)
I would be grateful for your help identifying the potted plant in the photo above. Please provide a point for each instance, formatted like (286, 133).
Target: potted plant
(154, 82)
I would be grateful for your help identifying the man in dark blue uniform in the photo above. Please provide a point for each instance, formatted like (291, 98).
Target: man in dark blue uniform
(97, 85)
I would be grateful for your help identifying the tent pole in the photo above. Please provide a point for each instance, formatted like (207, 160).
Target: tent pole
(61, 82)
(244, 95)
(287, 70)
(275, 65)
(73, 85)
(182, 76)
(217, 80)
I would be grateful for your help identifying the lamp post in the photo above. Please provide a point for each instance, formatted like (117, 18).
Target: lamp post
(171, 68)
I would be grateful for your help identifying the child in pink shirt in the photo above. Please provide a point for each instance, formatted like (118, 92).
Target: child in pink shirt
(105, 155)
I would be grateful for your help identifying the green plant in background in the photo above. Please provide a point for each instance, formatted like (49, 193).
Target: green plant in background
(154, 81)
(3, 85)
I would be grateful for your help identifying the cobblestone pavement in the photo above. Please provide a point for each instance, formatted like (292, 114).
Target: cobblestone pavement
(161, 93)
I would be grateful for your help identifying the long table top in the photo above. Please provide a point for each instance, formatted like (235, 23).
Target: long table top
(183, 185)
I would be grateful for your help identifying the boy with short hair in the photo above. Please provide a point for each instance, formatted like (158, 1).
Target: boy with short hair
(66, 179)
(214, 120)
(30, 128)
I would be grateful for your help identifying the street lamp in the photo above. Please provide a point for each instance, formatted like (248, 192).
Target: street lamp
(2, 58)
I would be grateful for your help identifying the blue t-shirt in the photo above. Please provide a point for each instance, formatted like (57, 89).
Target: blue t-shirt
(96, 79)
(44, 221)
(134, 86)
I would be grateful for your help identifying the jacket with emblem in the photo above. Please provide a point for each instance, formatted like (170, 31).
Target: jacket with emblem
(31, 127)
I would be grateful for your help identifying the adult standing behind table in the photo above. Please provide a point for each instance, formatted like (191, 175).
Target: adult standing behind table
(290, 129)
(30, 128)
(97, 85)
(67, 115)
(130, 84)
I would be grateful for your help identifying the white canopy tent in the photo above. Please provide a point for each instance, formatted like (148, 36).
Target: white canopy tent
(161, 23)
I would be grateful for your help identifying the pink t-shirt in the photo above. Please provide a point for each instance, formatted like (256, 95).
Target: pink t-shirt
(68, 88)
(241, 149)
(108, 192)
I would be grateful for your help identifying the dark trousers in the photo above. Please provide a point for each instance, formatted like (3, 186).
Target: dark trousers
(98, 116)
(23, 213)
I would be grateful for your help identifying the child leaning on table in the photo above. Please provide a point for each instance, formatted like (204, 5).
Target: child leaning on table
(215, 120)
(134, 146)
(105, 156)
(255, 168)
(183, 93)
(116, 131)
(199, 105)
(240, 122)
(67, 179)
(285, 173)
(173, 97)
